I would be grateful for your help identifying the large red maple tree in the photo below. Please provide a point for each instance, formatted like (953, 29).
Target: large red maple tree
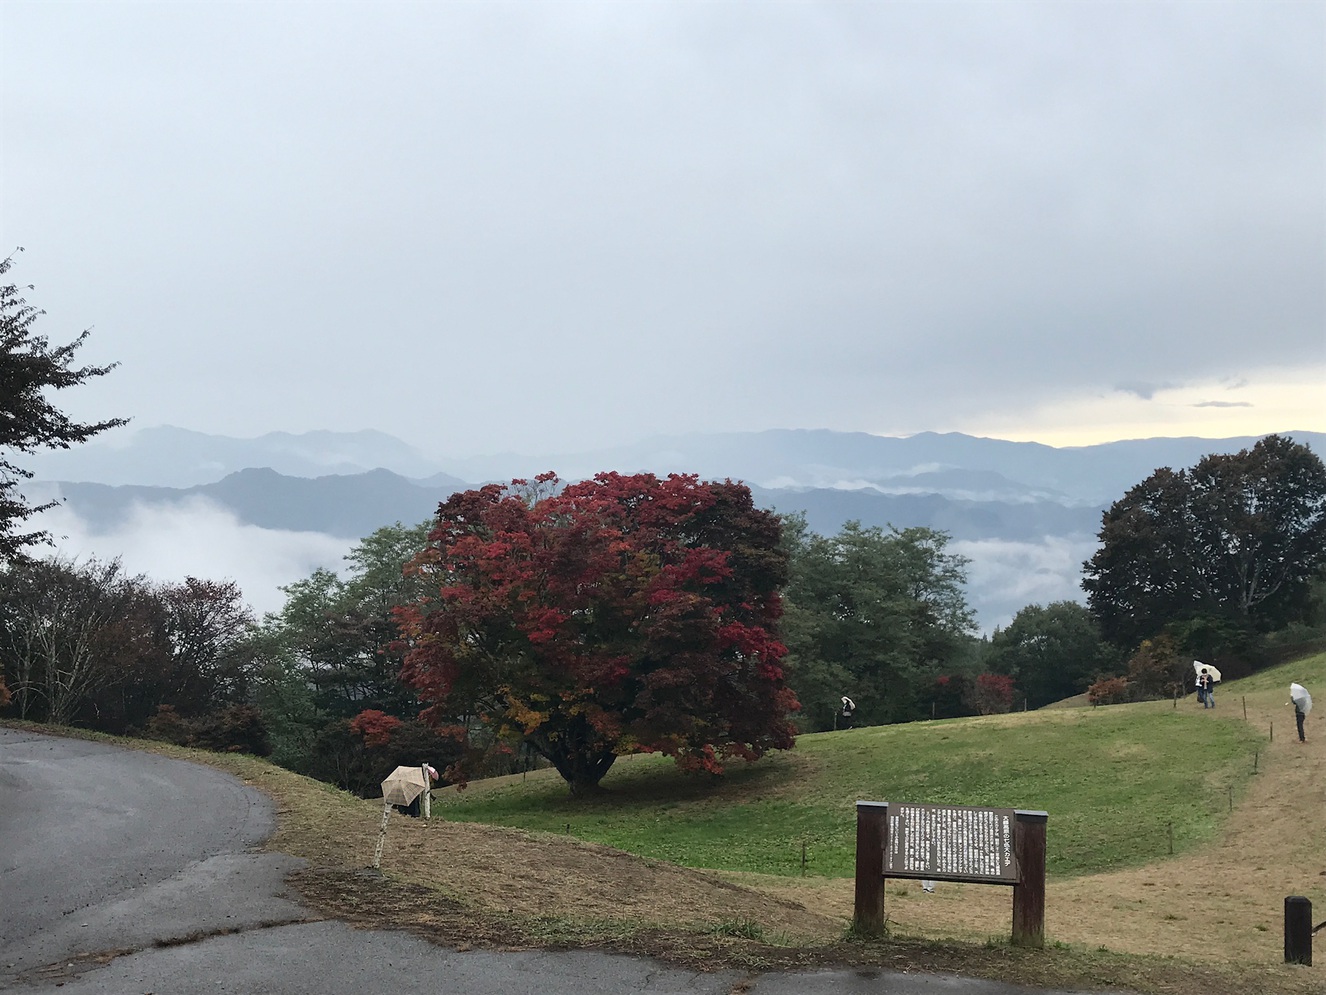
(616, 615)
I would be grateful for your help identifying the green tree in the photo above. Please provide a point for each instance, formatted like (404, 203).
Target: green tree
(872, 614)
(342, 630)
(1239, 538)
(1159, 669)
(1052, 652)
(30, 368)
(333, 651)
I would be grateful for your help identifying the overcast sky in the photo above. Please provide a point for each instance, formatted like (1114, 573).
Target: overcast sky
(545, 227)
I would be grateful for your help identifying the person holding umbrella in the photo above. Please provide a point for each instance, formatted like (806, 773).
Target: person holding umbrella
(1206, 681)
(847, 713)
(1302, 702)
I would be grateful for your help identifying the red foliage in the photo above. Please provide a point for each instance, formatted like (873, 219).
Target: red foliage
(992, 694)
(375, 726)
(621, 614)
(1108, 691)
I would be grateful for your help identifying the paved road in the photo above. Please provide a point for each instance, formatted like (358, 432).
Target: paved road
(123, 873)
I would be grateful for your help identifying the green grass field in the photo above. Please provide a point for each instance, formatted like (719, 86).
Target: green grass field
(1115, 781)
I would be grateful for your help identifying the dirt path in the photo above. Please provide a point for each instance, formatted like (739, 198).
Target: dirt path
(1222, 903)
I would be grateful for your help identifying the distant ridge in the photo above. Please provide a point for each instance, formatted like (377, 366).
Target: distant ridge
(346, 506)
(175, 457)
(353, 505)
(956, 465)
(1025, 514)
(822, 458)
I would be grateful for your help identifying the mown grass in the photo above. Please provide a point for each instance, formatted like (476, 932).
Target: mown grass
(1119, 784)
(1152, 764)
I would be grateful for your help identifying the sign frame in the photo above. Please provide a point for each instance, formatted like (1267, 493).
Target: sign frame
(1024, 869)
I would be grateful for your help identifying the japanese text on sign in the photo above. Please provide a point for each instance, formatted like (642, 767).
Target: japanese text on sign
(943, 841)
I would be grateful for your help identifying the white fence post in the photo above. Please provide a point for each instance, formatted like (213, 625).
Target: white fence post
(382, 835)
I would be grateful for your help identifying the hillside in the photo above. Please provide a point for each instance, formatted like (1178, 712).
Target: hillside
(1245, 810)
(1204, 922)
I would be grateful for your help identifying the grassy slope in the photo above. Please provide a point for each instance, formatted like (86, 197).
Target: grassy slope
(466, 884)
(1113, 780)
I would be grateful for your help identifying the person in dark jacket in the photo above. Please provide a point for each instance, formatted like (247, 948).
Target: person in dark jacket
(1302, 702)
(847, 714)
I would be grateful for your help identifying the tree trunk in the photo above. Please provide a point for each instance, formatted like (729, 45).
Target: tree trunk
(583, 774)
(580, 759)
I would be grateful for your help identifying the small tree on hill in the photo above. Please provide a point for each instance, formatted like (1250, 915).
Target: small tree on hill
(1157, 668)
(1052, 652)
(1108, 691)
(992, 694)
(621, 614)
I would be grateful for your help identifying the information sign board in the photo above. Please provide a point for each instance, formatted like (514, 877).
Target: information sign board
(951, 843)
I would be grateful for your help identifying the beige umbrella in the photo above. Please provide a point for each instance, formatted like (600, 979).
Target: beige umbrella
(403, 785)
(1198, 667)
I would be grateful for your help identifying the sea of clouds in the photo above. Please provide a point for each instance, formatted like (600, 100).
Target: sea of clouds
(198, 538)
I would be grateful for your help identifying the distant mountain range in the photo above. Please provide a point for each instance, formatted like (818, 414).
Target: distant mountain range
(350, 506)
(176, 457)
(1025, 513)
(960, 466)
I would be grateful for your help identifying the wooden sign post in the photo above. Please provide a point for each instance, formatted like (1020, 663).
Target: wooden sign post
(951, 843)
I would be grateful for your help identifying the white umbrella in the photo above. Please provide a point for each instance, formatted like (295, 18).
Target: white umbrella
(1298, 694)
(1198, 667)
(403, 785)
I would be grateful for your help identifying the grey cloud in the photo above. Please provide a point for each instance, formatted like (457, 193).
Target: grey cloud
(1004, 577)
(197, 538)
(1222, 404)
(500, 225)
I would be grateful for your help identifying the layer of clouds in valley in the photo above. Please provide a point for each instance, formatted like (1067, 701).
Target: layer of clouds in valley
(198, 538)
(1004, 577)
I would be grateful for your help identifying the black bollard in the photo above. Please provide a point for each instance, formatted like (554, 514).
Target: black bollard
(1298, 930)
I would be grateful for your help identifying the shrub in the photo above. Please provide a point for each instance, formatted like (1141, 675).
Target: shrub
(1109, 691)
(992, 694)
(341, 754)
(1159, 669)
(236, 729)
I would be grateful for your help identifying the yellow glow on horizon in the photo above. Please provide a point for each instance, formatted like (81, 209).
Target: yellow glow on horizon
(1282, 400)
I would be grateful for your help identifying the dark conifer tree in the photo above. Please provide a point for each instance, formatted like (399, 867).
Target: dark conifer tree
(29, 368)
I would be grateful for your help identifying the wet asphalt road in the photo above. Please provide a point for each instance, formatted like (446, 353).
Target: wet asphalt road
(124, 873)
